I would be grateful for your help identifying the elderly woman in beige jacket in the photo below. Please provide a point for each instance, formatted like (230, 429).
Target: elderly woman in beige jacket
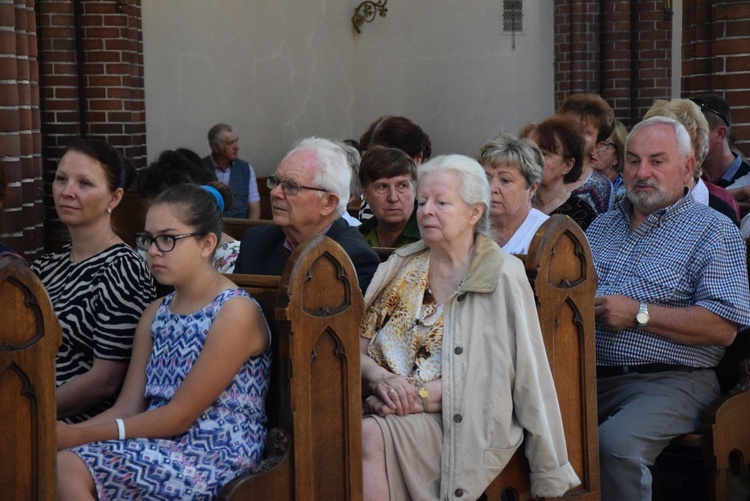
(453, 363)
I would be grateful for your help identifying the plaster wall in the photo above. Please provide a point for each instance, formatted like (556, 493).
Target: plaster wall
(280, 70)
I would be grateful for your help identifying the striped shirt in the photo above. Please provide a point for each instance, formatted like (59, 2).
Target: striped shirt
(98, 303)
(684, 255)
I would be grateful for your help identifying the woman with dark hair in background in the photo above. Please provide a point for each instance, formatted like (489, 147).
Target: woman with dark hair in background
(608, 158)
(98, 285)
(562, 145)
(395, 132)
(595, 120)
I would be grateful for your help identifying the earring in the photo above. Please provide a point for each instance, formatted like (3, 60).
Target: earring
(109, 211)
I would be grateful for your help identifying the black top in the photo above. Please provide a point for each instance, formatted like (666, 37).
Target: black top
(720, 205)
(578, 210)
(262, 251)
(98, 303)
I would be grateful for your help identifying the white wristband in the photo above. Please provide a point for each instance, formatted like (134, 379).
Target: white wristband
(120, 429)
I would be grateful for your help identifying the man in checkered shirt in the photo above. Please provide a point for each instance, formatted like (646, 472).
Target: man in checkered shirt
(672, 294)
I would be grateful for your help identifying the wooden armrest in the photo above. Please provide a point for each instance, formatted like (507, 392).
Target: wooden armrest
(271, 478)
(689, 440)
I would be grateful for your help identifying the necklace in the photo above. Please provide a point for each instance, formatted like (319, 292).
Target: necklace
(553, 204)
(74, 261)
(205, 298)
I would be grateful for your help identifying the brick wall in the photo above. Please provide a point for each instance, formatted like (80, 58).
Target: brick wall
(716, 57)
(620, 50)
(91, 75)
(21, 220)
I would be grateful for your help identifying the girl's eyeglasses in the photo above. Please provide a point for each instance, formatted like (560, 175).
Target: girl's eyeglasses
(165, 243)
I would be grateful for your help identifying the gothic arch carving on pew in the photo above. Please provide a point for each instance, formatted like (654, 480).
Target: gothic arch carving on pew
(22, 304)
(575, 270)
(19, 394)
(562, 274)
(560, 238)
(314, 302)
(330, 365)
(322, 311)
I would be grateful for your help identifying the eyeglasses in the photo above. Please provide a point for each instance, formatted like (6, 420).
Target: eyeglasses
(705, 106)
(165, 243)
(604, 146)
(289, 186)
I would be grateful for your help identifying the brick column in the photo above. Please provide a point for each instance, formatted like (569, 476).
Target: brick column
(577, 54)
(716, 57)
(91, 72)
(21, 220)
(620, 50)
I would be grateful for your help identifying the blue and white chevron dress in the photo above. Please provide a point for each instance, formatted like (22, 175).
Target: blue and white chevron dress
(225, 441)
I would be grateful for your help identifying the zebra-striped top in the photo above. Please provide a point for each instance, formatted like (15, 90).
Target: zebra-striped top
(98, 303)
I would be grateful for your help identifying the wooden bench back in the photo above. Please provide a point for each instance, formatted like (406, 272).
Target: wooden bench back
(29, 339)
(561, 272)
(316, 389)
(236, 227)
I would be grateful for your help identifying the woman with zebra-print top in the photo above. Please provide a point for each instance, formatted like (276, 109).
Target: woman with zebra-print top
(98, 285)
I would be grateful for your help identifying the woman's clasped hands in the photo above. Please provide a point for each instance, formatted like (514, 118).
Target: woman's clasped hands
(393, 395)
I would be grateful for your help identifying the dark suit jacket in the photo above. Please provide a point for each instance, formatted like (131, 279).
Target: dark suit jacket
(262, 251)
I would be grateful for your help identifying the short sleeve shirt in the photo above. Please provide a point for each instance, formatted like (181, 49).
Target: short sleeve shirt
(684, 255)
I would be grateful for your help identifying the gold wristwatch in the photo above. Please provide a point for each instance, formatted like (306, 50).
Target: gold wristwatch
(423, 394)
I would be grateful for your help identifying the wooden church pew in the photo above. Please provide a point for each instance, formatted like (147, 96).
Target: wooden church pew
(29, 338)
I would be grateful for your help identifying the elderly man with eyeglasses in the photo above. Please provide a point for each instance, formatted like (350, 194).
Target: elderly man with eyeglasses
(309, 193)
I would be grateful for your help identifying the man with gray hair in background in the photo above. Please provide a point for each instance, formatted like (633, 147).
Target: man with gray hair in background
(309, 194)
(233, 171)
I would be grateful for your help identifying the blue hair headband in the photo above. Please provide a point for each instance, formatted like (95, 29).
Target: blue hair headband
(215, 193)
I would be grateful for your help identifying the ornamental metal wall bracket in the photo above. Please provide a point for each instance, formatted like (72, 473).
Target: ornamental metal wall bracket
(366, 11)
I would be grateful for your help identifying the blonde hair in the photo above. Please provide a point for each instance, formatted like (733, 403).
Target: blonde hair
(691, 117)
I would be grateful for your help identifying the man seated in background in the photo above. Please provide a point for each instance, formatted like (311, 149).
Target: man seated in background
(672, 293)
(234, 172)
(309, 193)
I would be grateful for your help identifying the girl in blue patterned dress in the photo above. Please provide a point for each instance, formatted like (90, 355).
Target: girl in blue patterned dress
(190, 416)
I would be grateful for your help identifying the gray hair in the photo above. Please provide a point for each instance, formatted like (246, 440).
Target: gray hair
(352, 158)
(507, 149)
(473, 188)
(333, 172)
(691, 117)
(681, 134)
(215, 132)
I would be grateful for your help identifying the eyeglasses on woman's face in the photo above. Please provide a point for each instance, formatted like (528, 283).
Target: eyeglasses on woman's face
(165, 243)
(604, 146)
(289, 186)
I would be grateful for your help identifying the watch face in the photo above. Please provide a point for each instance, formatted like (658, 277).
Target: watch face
(641, 317)
(423, 392)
